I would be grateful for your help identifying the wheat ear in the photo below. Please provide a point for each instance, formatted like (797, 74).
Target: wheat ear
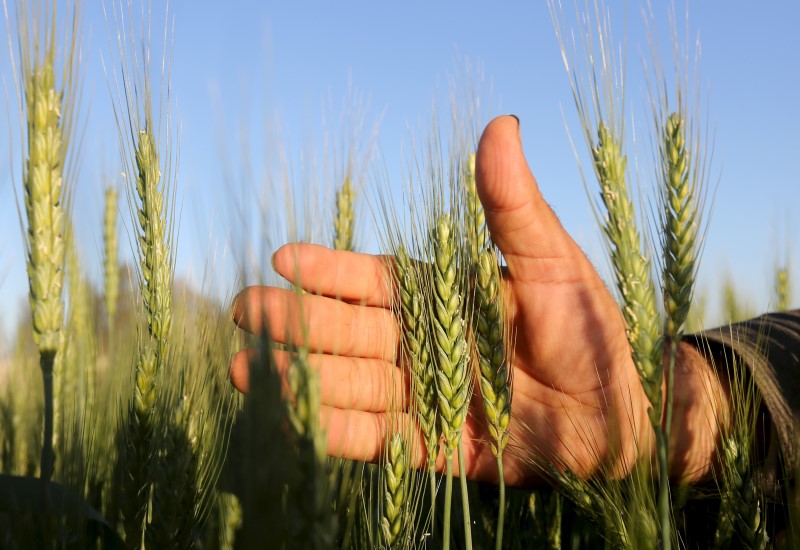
(494, 379)
(475, 221)
(453, 379)
(783, 290)
(679, 230)
(313, 524)
(154, 251)
(42, 183)
(395, 488)
(631, 267)
(415, 320)
(634, 283)
(156, 288)
(344, 222)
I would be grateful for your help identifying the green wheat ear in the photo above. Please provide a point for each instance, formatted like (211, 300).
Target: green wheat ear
(783, 290)
(49, 117)
(156, 261)
(631, 267)
(312, 524)
(680, 228)
(344, 222)
(416, 343)
(43, 181)
(415, 319)
(395, 488)
(452, 375)
(475, 221)
(495, 378)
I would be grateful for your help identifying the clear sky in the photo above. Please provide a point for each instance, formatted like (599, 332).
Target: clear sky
(252, 63)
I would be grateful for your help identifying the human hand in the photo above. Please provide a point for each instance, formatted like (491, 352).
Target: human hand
(577, 399)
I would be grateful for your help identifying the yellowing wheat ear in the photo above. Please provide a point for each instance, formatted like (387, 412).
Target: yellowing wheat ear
(49, 102)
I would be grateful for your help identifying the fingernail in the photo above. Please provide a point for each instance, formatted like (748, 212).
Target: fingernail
(272, 261)
(515, 118)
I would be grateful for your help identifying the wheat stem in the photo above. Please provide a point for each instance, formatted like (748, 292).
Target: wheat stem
(110, 260)
(501, 510)
(462, 477)
(448, 498)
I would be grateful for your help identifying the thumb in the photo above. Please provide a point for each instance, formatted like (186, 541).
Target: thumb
(521, 223)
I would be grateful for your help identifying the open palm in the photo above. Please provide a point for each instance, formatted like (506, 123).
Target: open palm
(577, 400)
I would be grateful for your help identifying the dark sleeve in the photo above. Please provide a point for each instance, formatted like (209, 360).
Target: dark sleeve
(770, 347)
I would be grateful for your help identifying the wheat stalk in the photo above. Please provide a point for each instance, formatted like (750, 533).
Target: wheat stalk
(110, 259)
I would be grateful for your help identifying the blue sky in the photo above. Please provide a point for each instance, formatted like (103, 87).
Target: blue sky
(251, 62)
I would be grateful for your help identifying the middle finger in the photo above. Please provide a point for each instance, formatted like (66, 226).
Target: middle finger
(325, 325)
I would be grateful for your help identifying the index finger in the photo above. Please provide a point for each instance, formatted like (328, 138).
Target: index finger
(349, 276)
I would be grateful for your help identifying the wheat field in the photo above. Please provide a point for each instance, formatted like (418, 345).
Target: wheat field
(119, 424)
